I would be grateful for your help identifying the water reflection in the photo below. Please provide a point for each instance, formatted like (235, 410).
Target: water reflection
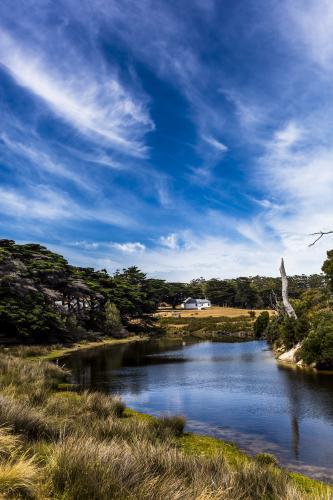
(234, 391)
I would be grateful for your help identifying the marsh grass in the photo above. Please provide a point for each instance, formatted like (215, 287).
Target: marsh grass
(18, 471)
(87, 445)
(34, 381)
(83, 467)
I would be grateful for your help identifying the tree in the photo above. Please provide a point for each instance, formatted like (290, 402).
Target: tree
(260, 325)
(221, 292)
(286, 304)
(113, 324)
(328, 268)
(246, 295)
(318, 346)
(130, 293)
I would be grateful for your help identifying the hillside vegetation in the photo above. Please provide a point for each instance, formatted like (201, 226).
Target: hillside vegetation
(312, 331)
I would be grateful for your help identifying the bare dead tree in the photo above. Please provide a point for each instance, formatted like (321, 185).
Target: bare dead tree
(286, 304)
(319, 235)
(275, 303)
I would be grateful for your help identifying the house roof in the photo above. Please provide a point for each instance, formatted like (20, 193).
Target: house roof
(190, 300)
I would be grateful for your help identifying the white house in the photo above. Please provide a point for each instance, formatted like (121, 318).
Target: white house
(190, 303)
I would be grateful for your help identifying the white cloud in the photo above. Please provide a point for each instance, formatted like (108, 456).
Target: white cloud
(308, 24)
(301, 178)
(129, 247)
(210, 257)
(86, 245)
(170, 241)
(288, 136)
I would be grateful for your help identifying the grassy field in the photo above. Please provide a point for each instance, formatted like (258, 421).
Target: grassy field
(212, 323)
(214, 312)
(66, 445)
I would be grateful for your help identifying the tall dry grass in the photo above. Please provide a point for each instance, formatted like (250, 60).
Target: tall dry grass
(83, 467)
(86, 447)
(18, 471)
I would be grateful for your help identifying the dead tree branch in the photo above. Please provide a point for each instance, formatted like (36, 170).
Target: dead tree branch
(286, 304)
(320, 234)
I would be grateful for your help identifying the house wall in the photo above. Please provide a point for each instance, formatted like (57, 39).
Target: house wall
(190, 306)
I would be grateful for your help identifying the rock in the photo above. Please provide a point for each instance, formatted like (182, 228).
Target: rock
(291, 355)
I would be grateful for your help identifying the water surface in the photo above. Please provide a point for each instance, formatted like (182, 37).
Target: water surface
(235, 391)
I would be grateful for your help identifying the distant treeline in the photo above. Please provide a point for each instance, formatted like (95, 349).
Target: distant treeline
(250, 293)
(43, 298)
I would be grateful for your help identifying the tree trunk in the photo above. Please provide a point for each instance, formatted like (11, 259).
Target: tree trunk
(287, 306)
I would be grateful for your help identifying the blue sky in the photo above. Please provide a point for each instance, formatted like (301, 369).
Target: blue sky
(189, 138)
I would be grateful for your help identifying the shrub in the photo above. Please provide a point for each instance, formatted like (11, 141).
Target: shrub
(102, 405)
(169, 426)
(266, 459)
(318, 346)
(260, 324)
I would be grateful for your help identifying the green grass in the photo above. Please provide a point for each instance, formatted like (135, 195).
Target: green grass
(86, 445)
(208, 326)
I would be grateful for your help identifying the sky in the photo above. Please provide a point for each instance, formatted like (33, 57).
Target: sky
(190, 138)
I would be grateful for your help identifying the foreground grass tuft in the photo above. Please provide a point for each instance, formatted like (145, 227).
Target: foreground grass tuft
(18, 472)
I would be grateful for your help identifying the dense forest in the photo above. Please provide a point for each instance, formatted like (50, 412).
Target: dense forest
(44, 299)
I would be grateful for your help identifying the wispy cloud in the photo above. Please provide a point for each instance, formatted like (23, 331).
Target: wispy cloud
(46, 204)
(89, 97)
(215, 143)
(42, 160)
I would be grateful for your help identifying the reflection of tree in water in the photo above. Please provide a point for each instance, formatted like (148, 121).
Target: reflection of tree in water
(293, 393)
(306, 391)
(295, 436)
(109, 369)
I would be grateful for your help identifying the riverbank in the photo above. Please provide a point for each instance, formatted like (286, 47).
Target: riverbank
(65, 444)
(290, 359)
(56, 427)
(53, 352)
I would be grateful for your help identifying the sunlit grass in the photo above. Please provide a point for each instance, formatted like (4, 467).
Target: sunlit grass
(87, 445)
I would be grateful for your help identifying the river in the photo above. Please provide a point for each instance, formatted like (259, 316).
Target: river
(234, 391)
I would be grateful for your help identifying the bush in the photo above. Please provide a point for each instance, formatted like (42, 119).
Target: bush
(102, 405)
(260, 324)
(266, 459)
(169, 426)
(287, 331)
(318, 346)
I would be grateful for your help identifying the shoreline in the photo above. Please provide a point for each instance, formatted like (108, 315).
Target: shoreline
(290, 362)
(191, 443)
(59, 352)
